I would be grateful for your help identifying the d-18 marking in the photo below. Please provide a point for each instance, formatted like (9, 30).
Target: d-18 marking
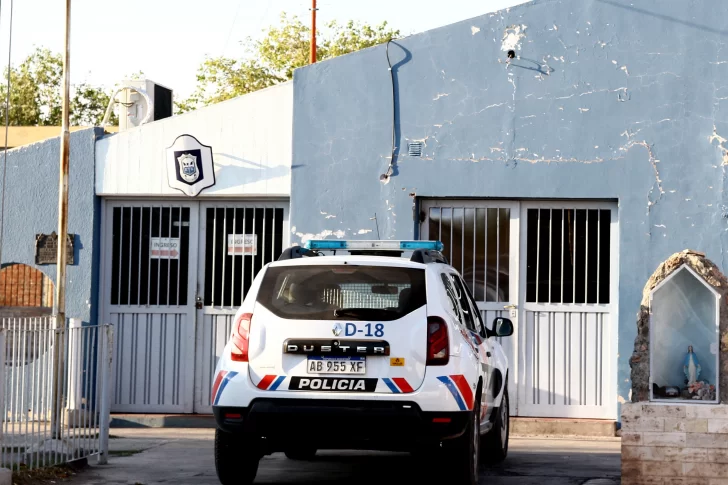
(369, 330)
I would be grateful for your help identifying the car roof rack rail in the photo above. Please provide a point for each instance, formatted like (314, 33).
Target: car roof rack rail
(296, 252)
(426, 256)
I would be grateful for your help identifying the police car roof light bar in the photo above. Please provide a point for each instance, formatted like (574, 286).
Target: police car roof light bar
(373, 245)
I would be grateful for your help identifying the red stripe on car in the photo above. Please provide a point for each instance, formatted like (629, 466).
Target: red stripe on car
(216, 385)
(266, 382)
(402, 384)
(464, 389)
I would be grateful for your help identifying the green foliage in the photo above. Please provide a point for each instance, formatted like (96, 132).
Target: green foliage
(88, 106)
(34, 90)
(271, 60)
(36, 93)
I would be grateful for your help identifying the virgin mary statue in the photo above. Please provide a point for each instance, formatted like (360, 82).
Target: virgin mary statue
(691, 367)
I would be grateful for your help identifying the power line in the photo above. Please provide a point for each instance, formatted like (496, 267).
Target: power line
(7, 125)
(232, 27)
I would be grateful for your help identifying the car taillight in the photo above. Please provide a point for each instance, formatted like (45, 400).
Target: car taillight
(438, 344)
(240, 337)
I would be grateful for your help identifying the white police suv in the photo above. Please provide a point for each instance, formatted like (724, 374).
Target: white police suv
(362, 350)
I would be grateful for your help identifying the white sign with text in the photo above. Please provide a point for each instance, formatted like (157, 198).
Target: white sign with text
(242, 245)
(164, 248)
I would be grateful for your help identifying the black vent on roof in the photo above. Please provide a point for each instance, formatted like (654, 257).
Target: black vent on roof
(162, 102)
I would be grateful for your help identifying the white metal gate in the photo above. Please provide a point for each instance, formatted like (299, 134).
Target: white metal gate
(236, 241)
(559, 264)
(148, 293)
(174, 274)
(481, 242)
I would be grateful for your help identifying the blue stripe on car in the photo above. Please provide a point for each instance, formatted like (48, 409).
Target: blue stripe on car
(224, 383)
(454, 391)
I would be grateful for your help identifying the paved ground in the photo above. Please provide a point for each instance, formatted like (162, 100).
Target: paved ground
(184, 457)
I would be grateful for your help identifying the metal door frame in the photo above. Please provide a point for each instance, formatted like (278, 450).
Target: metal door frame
(191, 389)
(518, 256)
(513, 261)
(104, 293)
(200, 393)
(612, 308)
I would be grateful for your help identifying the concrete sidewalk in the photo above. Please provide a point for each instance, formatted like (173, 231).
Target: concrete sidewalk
(185, 457)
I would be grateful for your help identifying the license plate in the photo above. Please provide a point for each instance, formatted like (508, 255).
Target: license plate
(337, 365)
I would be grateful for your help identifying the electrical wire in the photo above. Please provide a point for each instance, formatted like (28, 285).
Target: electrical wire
(232, 26)
(235, 19)
(385, 176)
(7, 124)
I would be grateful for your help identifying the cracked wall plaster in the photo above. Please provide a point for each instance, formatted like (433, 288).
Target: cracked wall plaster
(605, 100)
(513, 37)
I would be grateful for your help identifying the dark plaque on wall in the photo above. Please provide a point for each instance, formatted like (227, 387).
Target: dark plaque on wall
(46, 249)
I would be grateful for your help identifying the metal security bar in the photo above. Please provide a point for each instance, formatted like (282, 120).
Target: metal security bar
(568, 315)
(477, 244)
(239, 241)
(566, 358)
(568, 256)
(149, 272)
(150, 249)
(42, 427)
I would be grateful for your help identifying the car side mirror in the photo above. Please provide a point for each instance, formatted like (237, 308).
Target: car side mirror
(503, 327)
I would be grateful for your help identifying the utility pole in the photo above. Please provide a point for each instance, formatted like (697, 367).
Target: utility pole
(60, 300)
(313, 31)
(60, 296)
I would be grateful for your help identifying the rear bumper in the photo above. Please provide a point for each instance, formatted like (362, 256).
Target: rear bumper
(349, 424)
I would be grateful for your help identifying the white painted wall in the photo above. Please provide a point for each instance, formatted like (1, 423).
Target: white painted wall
(250, 136)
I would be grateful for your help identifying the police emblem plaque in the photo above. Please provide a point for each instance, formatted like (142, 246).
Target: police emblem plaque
(190, 167)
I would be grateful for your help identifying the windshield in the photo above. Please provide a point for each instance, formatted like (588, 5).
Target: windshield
(342, 292)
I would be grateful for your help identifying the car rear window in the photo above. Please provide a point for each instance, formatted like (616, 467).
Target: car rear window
(342, 292)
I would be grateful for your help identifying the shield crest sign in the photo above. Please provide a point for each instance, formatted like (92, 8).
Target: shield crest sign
(190, 167)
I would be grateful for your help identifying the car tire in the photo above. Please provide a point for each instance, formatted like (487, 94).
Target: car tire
(236, 458)
(301, 454)
(495, 444)
(464, 451)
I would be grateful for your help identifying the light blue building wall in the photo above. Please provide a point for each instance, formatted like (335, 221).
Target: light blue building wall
(606, 100)
(31, 207)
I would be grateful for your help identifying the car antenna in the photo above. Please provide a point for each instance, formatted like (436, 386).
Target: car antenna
(377, 224)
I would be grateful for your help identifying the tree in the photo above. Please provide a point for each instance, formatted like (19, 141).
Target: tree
(271, 60)
(89, 104)
(36, 94)
(34, 90)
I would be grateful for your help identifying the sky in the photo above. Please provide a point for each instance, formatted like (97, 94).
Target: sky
(168, 39)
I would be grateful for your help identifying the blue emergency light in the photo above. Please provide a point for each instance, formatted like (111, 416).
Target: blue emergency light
(373, 245)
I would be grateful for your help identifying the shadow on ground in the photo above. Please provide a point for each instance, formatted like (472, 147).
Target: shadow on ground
(187, 459)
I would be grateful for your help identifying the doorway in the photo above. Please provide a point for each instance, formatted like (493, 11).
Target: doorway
(551, 267)
(173, 276)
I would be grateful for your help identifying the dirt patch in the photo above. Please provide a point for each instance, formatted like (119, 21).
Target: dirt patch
(49, 475)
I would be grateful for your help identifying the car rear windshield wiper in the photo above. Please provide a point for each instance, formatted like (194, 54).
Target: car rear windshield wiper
(376, 313)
